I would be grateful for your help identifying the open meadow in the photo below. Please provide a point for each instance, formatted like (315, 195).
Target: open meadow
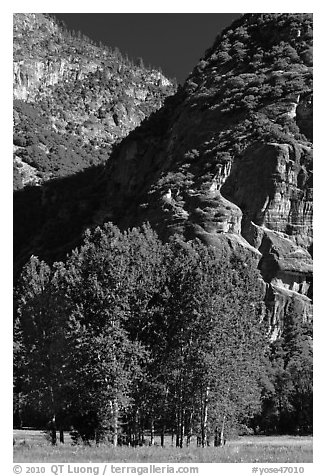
(32, 447)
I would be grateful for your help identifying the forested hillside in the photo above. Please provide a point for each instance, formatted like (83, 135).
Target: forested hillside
(74, 99)
(169, 289)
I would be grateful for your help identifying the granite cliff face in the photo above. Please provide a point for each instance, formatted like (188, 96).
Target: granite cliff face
(82, 97)
(232, 162)
(38, 64)
(227, 159)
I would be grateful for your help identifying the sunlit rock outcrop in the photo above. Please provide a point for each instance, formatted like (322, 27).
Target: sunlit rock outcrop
(227, 159)
(233, 157)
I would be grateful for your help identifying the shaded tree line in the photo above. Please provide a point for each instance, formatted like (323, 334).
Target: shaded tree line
(131, 338)
(287, 400)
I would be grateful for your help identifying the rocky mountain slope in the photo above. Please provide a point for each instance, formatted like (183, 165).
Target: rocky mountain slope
(228, 160)
(73, 99)
(233, 164)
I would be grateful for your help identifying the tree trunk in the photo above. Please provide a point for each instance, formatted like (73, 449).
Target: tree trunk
(189, 429)
(204, 420)
(182, 428)
(222, 432)
(177, 436)
(279, 415)
(142, 436)
(152, 432)
(162, 435)
(177, 439)
(20, 410)
(115, 422)
(180, 413)
(216, 437)
(61, 437)
(53, 431)
(222, 438)
(53, 425)
(164, 416)
(138, 429)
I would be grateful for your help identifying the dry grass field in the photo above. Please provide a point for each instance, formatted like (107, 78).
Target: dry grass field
(32, 447)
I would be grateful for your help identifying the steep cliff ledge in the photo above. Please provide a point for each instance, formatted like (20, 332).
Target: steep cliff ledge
(233, 156)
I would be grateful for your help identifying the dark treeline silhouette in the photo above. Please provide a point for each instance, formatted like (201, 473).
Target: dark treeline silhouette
(131, 338)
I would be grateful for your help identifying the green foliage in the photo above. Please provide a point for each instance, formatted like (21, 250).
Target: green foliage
(129, 328)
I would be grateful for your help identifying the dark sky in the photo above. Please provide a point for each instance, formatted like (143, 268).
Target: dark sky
(173, 41)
